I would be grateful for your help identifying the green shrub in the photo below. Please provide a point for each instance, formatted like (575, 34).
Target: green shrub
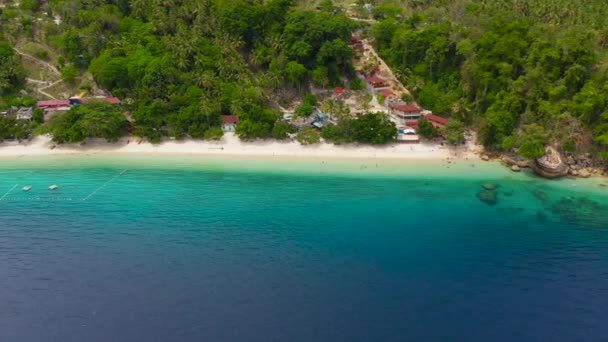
(308, 136)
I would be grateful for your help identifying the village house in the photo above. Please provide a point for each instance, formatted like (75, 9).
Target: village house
(388, 95)
(403, 113)
(436, 121)
(24, 113)
(53, 105)
(376, 82)
(229, 122)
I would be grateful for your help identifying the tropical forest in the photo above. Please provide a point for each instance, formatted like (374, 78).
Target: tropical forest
(521, 74)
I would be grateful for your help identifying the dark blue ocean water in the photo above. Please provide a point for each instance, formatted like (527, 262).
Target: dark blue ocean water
(158, 254)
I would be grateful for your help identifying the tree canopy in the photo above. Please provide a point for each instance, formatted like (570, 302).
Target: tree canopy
(94, 119)
(502, 65)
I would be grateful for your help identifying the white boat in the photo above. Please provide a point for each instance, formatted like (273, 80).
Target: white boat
(53, 187)
(27, 188)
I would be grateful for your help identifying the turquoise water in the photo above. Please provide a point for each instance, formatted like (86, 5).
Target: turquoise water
(200, 249)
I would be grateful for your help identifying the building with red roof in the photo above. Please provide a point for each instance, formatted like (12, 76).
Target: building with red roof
(339, 90)
(229, 122)
(436, 120)
(46, 104)
(376, 81)
(403, 112)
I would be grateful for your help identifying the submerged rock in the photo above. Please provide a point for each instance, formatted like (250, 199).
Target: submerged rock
(550, 165)
(581, 209)
(489, 197)
(540, 195)
(489, 186)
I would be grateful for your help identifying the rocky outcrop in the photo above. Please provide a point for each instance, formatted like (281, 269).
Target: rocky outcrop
(515, 160)
(550, 165)
(515, 168)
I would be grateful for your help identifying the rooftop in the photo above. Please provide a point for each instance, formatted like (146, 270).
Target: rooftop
(436, 118)
(230, 119)
(406, 108)
(387, 93)
(53, 103)
(374, 79)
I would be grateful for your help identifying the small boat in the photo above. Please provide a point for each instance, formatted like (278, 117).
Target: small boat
(27, 188)
(53, 187)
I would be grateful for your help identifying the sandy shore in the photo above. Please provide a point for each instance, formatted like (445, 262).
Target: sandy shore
(230, 145)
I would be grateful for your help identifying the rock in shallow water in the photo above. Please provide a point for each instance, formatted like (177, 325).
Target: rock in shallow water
(515, 168)
(489, 197)
(489, 186)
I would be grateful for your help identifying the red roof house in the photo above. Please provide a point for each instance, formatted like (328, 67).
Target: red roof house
(229, 122)
(44, 104)
(339, 90)
(376, 81)
(436, 120)
(387, 93)
(406, 108)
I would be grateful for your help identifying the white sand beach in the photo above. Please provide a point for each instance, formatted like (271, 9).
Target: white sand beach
(230, 145)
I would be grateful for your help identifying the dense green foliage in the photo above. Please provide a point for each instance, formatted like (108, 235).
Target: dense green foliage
(426, 129)
(180, 64)
(454, 132)
(369, 128)
(281, 130)
(11, 72)
(308, 136)
(11, 128)
(501, 65)
(94, 119)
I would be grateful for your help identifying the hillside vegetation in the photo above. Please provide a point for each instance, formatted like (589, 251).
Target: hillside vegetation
(526, 73)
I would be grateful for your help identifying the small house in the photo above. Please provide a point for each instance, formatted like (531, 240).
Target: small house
(229, 122)
(436, 120)
(376, 82)
(24, 113)
(52, 105)
(388, 95)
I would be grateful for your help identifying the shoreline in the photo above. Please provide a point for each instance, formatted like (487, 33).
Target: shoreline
(230, 145)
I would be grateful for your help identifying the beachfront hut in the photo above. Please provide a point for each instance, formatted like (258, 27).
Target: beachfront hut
(229, 123)
(436, 120)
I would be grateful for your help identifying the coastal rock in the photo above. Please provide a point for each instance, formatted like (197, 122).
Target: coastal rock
(515, 168)
(516, 160)
(584, 173)
(485, 157)
(570, 160)
(550, 165)
(488, 197)
(489, 186)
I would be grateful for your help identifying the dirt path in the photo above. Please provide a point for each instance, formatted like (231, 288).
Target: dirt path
(39, 85)
(47, 65)
(385, 71)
